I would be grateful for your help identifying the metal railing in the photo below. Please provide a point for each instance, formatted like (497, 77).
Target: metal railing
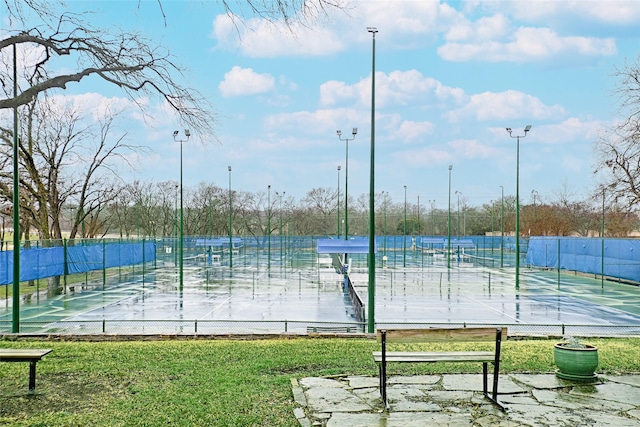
(268, 327)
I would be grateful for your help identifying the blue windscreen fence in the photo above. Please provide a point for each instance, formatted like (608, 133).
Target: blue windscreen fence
(40, 263)
(619, 258)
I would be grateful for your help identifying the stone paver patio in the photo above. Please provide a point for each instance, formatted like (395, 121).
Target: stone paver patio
(457, 400)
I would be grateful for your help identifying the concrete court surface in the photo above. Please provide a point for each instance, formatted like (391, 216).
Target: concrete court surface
(489, 296)
(457, 400)
(403, 295)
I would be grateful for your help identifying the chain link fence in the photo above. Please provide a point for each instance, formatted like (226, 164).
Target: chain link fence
(276, 327)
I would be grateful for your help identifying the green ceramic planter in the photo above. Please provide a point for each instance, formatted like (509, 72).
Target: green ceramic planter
(576, 364)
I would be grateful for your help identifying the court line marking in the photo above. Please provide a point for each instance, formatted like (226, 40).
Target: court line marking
(215, 308)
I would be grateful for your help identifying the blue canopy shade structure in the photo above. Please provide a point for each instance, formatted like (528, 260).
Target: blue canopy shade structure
(336, 246)
(461, 243)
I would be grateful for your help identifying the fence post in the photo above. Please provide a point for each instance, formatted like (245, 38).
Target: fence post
(558, 263)
(143, 240)
(66, 266)
(196, 326)
(104, 326)
(104, 263)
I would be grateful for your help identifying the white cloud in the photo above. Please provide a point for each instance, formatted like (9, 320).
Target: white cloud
(619, 12)
(560, 12)
(504, 105)
(422, 157)
(413, 131)
(569, 131)
(528, 45)
(472, 149)
(393, 89)
(97, 105)
(319, 121)
(406, 24)
(486, 28)
(244, 81)
(261, 38)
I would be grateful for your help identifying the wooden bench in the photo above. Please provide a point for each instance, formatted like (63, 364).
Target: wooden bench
(386, 336)
(25, 355)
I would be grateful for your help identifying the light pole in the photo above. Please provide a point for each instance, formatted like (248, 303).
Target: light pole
(338, 202)
(15, 300)
(526, 130)
(433, 218)
(602, 245)
(354, 131)
(230, 223)
(281, 196)
(492, 209)
(449, 223)
(458, 228)
(419, 230)
(386, 201)
(175, 226)
(269, 227)
(372, 226)
(502, 227)
(187, 134)
(404, 239)
(534, 194)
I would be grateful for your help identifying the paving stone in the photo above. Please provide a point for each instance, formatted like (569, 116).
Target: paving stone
(450, 396)
(334, 399)
(321, 382)
(633, 380)
(544, 416)
(299, 413)
(603, 420)
(518, 399)
(578, 401)
(495, 421)
(408, 406)
(298, 394)
(414, 379)
(363, 382)
(548, 381)
(473, 382)
(622, 393)
(400, 419)
(304, 422)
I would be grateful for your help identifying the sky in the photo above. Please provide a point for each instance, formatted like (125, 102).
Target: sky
(450, 77)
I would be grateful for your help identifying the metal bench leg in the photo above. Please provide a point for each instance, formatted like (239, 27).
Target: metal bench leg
(485, 375)
(383, 371)
(32, 376)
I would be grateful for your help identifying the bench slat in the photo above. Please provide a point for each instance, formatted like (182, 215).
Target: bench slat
(16, 355)
(453, 356)
(441, 335)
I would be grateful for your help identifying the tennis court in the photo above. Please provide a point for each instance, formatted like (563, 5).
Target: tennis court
(255, 297)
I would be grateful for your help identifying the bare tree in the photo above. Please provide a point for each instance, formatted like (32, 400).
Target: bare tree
(619, 147)
(65, 161)
(66, 49)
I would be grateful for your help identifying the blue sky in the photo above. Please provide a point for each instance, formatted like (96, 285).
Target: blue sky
(450, 77)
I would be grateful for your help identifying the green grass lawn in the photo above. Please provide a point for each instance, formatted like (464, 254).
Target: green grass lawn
(220, 382)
